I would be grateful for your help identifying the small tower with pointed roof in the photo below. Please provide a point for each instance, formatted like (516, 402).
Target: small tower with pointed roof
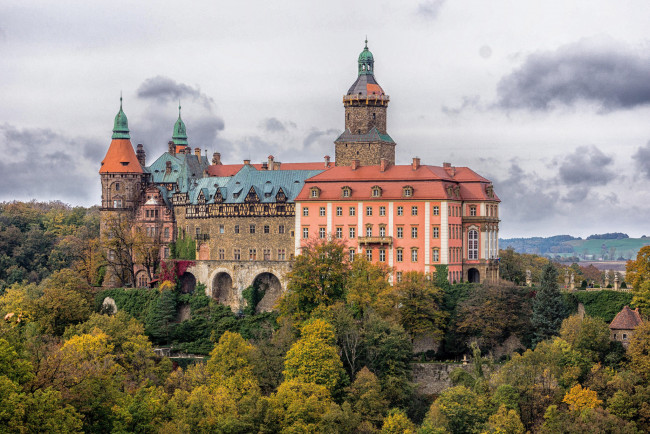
(179, 137)
(365, 137)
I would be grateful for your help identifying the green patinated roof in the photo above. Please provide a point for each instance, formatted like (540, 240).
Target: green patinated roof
(180, 135)
(366, 61)
(121, 125)
(371, 136)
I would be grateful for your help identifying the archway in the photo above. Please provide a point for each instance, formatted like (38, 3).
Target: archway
(268, 285)
(473, 276)
(222, 288)
(188, 283)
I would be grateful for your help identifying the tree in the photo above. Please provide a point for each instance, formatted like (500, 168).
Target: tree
(397, 422)
(458, 410)
(314, 357)
(419, 305)
(162, 314)
(366, 399)
(548, 306)
(639, 350)
(318, 277)
(368, 287)
(579, 398)
(588, 335)
(505, 421)
(638, 274)
(119, 247)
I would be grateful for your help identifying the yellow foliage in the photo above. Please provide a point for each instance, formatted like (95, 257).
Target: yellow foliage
(580, 398)
(167, 286)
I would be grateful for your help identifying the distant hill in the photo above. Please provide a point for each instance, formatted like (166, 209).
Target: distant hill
(613, 246)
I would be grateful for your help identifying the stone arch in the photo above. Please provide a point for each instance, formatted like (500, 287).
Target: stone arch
(222, 288)
(473, 276)
(188, 283)
(269, 285)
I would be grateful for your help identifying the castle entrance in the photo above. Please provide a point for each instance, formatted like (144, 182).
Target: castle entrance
(188, 283)
(473, 276)
(222, 290)
(269, 285)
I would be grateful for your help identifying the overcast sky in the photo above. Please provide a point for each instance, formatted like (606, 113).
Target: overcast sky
(548, 99)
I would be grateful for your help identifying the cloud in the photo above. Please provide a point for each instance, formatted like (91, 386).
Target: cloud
(642, 159)
(596, 70)
(274, 125)
(586, 166)
(430, 9)
(46, 165)
(164, 89)
(316, 136)
(471, 101)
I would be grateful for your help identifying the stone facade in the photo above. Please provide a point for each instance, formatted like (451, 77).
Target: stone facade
(367, 154)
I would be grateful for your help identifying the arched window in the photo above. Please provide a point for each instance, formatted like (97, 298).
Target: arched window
(472, 244)
(117, 186)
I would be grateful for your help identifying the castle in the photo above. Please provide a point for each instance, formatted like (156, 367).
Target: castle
(249, 220)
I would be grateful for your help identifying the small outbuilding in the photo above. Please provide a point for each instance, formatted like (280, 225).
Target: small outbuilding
(623, 325)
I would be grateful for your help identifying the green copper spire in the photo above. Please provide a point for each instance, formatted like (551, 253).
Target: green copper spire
(366, 61)
(179, 136)
(121, 125)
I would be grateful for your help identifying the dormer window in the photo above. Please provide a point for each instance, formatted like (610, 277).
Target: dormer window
(376, 191)
(346, 191)
(407, 191)
(314, 192)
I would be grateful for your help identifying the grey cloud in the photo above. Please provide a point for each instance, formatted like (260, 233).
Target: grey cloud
(597, 71)
(315, 136)
(165, 89)
(42, 166)
(587, 166)
(471, 101)
(274, 125)
(642, 159)
(430, 9)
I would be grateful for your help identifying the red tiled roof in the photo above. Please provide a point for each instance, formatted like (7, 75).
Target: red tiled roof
(626, 319)
(232, 169)
(120, 158)
(389, 190)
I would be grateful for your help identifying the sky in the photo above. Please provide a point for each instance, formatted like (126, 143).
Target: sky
(548, 99)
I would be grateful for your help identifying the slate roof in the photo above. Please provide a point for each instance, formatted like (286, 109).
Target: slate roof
(184, 166)
(626, 319)
(365, 85)
(371, 136)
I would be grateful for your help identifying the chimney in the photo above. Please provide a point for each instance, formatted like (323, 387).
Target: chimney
(197, 152)
(265, 166)
(416, 163)
(168, 167)
(247, 162)
(187, 150)
(451, 171)
(141, 154)
(355, 164)
(327, 161)
(172, 148)
(276, 165)
(270, 162)
(216, 158)
(446, 164)
(383, 165)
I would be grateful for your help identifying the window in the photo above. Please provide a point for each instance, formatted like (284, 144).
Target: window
(321, 232)
(339, 211)
(353, 211)
(407, 191)
(352, 232)
(117, 186)
(222, 254)
(624, 336)
(382, 211)
(339, 232)
(376, 192)
(222, 229)
(382, 231)
(236, 229)
(281, 229)
(351, 252)
(400, 232)
(400, 210)
(252, 254)
(400, 255)
(345, 191)
(368, 210)
(369, 231)
(267, 254)
(166, 252)
(236, 254)
(436, 232)
(414, 210)
(166, 233)
(117, 203)
(472, 244)
(382, 255)
(197, 230)
(435, 257)
(369, 254)
(305, 232)
(414, 231)
(472, 211)
(414, 255)
(251, 229)
(305, 211)
(398, 276)
(314, 192)
(281, 255)
(321, 211)
(436, 210)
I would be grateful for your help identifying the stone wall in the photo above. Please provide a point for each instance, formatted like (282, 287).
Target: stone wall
(360, 119)
(368, 154)
(433, 378)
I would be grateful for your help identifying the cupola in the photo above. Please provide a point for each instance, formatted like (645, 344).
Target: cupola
(180, 135)
(121, 125)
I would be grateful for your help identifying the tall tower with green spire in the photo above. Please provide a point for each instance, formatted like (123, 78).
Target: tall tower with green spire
(365, 137)
(121, 125)
(180, 134)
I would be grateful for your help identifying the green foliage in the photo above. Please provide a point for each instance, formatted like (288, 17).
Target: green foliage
(419, 302)
(458, 410)
(602, 304)
(183, 248)
(253, 296)
(549, 308)
(134, 301)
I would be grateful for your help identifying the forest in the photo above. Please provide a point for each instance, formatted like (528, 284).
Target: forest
(335, 356)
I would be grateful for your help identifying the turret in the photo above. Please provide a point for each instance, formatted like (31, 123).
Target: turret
(180, 135)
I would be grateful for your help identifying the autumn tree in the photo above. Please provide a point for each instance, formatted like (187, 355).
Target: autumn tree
(458, 410)
(638, 274)
(548, 306)
(419, 305)
(397, 422)
(368, 287)
(118, 243)
(366, 399)
(588, 335)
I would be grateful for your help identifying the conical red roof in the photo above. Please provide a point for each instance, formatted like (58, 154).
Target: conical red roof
(120, 158)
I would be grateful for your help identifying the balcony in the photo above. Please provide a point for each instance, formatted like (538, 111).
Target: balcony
(376, 240)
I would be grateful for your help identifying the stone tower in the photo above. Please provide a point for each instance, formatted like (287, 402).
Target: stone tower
(365, 137)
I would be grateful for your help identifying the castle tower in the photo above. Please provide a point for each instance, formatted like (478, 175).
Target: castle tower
(365, 137)
(179, 137)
